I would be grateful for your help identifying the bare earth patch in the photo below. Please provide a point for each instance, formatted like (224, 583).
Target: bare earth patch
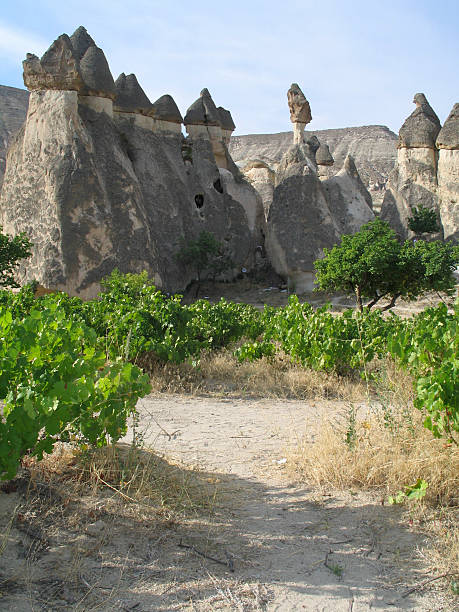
(267, 544)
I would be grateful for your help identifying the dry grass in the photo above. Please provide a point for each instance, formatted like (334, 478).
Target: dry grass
(132, 481)
(219, 372)
(386, 448)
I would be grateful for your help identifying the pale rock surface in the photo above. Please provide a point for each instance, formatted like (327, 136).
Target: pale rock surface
(13, 109)
(300, 223)
(448, 174)
(349, 201)
(413, 182)
(204, 120)
(372, 147)
(245, 194)
(260, 175)
(94, 193)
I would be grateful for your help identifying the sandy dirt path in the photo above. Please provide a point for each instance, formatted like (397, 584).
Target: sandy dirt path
(269, 544)
(298, 549)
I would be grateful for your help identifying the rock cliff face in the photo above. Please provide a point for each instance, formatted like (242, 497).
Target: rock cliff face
(373, 148)
(349, 201)
(99, 177)
(300, 223)
(427, 170)
(308, 214)
(13, 109)
(448, 174)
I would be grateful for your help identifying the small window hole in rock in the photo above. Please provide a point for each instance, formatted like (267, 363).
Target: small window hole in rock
(218, 186)
(199, 200)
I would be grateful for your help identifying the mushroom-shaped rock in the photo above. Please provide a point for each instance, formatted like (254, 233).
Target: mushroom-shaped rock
(81, 41)
(166, 109)
(421, 128)
(96, 74)
(130, 97)
(448, 137)
(226, 119)
(203, 111)
(323, 156)
(300, 111)
(57, 69)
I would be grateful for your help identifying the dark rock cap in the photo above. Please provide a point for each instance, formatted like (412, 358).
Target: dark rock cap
(71, 64)
(203, 111)
(421, 128)
(81, 41)
(96, 74)
(448, 138)
(57, 69)
(323, 156)
(130, 97)
(226, 119)
(300, 111)
(350, 167)
(166, 109)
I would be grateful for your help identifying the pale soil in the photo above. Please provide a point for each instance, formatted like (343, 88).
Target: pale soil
(276, 535)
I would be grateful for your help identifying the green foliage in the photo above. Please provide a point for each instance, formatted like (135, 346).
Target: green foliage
(322, 341)
(56, 386)
(373, 265)
(362, 263)
(12, 250)
(423, 221)
(414, 492)
(428, 346)
(205, 255)
(62, 361)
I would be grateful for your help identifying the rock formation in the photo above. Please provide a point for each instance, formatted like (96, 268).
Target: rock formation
(349, 201)
(13, 109)
(413, 182)
(204, 120)
(372, 147)
(307, 214)
(99, 177)
(300, 112)
(300, 223)
(448, 174)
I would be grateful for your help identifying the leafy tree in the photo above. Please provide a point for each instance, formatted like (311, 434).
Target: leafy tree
(373, 265)
(423, 221)
(204, 255)
(12, 250)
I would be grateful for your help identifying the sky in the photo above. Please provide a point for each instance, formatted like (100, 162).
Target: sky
(357, 62)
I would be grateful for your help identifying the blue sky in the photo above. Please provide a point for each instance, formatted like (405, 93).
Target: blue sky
(358, 62)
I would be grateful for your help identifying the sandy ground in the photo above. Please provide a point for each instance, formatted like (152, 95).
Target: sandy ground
(270, 544)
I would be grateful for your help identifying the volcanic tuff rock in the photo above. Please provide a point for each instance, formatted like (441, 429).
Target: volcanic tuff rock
(372, 147)
(421, 128)
(130, 97)
(96, 190)
(448, 174)
(300, 223)
(323, 156)
(413, 182)
(13, 109)
(349, 201)
(300, 112)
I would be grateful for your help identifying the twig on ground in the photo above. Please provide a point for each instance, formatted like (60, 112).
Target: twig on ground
(422, 584)
(229, 563)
